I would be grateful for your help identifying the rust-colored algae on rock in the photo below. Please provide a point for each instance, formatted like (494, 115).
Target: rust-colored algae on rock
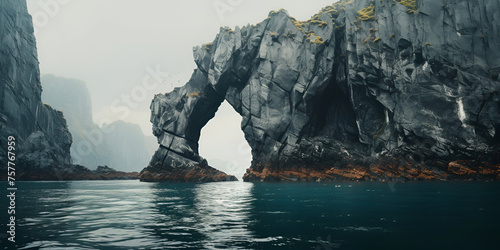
(384, 169)
(351, 172)
(459, 168)
(474, 170)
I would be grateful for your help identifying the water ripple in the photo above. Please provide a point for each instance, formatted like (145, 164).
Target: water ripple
(236, 215)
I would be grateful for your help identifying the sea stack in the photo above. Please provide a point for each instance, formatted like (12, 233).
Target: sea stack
(364, 90)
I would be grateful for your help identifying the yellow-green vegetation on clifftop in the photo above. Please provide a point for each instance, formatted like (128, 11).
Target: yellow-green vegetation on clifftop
(367, 13)
(331, 10)
(411, 5)
(207, 46)
(315, 39)
(194, 94)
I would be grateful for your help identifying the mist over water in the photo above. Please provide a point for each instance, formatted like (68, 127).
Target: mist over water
(238, 215)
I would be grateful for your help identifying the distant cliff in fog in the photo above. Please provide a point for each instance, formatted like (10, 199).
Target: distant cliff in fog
(120, 145)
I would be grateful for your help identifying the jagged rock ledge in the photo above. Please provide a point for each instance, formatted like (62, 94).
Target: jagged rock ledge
(194, 173)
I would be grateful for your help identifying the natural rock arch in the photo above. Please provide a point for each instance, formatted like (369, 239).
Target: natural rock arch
(341, 95)
(223, 143)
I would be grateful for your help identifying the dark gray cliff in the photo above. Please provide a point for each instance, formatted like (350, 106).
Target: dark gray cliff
(363, 90)
(42, 137)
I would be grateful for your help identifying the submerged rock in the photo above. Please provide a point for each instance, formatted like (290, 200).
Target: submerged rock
(363, 90)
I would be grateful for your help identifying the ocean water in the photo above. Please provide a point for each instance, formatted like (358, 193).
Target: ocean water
(236, 215)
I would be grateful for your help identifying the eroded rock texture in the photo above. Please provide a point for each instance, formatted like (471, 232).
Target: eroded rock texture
(42, 139)
(363, 90)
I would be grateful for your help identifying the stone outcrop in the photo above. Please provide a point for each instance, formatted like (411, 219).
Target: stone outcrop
(42, 137)
(363, 90)
(76, 172)
(192, 172)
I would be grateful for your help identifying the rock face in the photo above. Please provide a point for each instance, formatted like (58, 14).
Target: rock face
(363, 90)
(120, 145)
(177, 126)
(42, 137)
(42, 140)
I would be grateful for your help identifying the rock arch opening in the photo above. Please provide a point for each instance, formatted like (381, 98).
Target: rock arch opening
(222, 142)
(178, 118)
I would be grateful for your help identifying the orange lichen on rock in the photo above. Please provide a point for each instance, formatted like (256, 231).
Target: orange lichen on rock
(408, 170)
(460, 168)
(306, 173)
(351, 172)
(489, 170)
(385, 168)
(296, 173)
(428, 175)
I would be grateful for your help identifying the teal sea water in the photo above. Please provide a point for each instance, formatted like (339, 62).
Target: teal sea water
(237, 215)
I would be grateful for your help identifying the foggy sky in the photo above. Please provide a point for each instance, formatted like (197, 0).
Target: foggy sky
(128, 50)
